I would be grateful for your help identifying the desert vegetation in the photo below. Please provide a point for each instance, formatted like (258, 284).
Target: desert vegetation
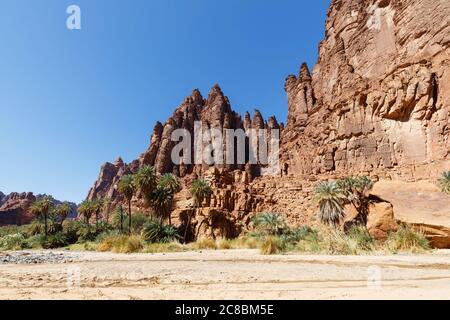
(153, 231)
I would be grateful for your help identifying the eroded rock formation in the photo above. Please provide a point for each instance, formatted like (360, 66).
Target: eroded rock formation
(376, 103)
(378, 98)
(14, 208)
(213, 112)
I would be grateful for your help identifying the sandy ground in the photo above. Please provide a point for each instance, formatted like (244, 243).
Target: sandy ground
(236, 274)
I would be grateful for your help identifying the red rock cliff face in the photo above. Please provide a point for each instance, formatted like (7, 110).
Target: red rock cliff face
(379, 97)
(213, 112)
(376, 103)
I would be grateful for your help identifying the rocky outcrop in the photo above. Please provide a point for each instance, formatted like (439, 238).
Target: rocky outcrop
(213, 112)
(378, 98)
(420, 204)
(2, 197)
(14, 209)
(377, 103)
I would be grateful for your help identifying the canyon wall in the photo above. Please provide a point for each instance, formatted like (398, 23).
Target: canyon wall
(379, 97)
(376, 103)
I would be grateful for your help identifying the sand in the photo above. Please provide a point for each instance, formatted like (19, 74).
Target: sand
(232, 274)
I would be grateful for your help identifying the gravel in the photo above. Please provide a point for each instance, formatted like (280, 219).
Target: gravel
(26, 257)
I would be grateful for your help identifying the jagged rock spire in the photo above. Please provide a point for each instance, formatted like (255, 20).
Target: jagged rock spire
(300, 98)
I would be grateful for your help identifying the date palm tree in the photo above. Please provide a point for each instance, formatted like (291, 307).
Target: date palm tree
(63, 211)
(127, 188)
(97, 208)
(269, 222)
(170, 182)
(444, 182)
(331, 202)
(145, 181)
(86, 210)
(357, 191)
(200, 191)
(41, 208)
(106, 208)
(162, 202)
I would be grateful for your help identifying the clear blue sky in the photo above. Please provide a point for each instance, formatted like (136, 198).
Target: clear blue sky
(71, 100)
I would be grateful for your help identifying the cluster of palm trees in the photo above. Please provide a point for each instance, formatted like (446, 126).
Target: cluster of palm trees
(45, 209)
(158, 193)
(332, 197)
(96, 207)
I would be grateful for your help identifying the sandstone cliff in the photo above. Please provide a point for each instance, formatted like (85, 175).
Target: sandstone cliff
(14, 208)
(379, 96)
(213, 112)
(377, 103)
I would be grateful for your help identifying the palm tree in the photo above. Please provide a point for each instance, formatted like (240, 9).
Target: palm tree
(63, 211)
(331, 202)
(200, 190)
(145, 181)
(357, 191)
(41, 208)
(271, 223)
(97, 208)
(444, 182)
(162, 202)
(86, 209)
(118, 218)
(169, 181)
(106, 208)
(127, 188)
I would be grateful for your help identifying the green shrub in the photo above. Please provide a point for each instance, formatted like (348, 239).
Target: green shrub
(138, 220)
(152, 231)
(53, 241)
(362, 238)
(405, 239)
(107, 234)
(88, 233)
(36, 227)
(54, 226)
(13, 242)
(269, 223)
(9, 230)
(71, 229)
(312, 243)
(291, 237)
(169, 234)
(35, 242)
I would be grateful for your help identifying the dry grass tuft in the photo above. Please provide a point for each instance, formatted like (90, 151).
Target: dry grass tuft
(271, 245)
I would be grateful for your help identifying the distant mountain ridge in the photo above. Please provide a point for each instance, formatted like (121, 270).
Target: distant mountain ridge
(14, 207)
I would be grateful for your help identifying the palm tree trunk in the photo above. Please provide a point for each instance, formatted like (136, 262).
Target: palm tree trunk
(129, 216)
(45, 225)
(188, 225)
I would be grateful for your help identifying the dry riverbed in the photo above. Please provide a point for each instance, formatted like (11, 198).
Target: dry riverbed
(232, 274)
